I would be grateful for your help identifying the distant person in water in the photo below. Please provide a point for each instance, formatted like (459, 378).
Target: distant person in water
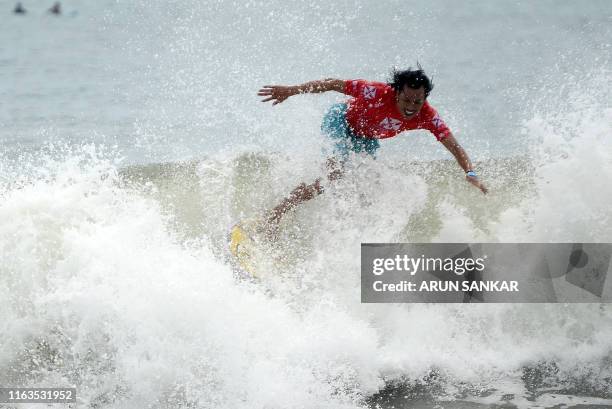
(19, 9)
(56, 8)
(374, 111)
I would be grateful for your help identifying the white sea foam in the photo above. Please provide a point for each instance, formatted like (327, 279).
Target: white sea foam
(100, 290)
(572, 153)
(115, 278)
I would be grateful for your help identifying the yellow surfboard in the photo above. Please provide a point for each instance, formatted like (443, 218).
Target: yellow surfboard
(253, 251)
(241, 247)
(250, 248)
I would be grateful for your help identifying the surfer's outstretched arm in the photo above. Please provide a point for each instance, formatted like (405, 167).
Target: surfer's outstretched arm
(463, 159)
(279, 93)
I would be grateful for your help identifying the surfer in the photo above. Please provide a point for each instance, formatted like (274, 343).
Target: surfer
(375, 111)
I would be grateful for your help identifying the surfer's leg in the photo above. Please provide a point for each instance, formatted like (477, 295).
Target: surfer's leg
(300, 194)
(336, 128)
(335, 169)
(305, 192)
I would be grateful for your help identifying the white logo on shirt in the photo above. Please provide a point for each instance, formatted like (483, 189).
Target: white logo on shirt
(437, 121)
(369, 92)
(391, 124)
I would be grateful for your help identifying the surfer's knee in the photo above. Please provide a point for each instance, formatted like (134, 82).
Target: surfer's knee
(335, 169)
(301, 192)
(334, 175)
(307, 192)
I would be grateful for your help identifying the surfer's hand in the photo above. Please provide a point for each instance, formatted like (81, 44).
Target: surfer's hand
(276, 93)
(474, 181)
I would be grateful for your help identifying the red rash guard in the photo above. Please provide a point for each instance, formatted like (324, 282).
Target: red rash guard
(372, 112)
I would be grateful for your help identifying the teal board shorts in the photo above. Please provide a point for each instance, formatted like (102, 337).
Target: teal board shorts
(336, 128)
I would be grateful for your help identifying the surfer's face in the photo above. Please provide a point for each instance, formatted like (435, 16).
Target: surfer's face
(410, 101)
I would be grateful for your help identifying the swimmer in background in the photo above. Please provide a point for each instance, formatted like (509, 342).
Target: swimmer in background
(56, 8)
(19, 8)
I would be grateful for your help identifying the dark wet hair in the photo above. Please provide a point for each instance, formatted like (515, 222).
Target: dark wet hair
(414, 79)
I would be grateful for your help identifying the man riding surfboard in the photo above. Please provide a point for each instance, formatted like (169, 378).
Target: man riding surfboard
(375, 111)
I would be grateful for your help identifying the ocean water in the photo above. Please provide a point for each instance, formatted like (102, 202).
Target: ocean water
(131, 138)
